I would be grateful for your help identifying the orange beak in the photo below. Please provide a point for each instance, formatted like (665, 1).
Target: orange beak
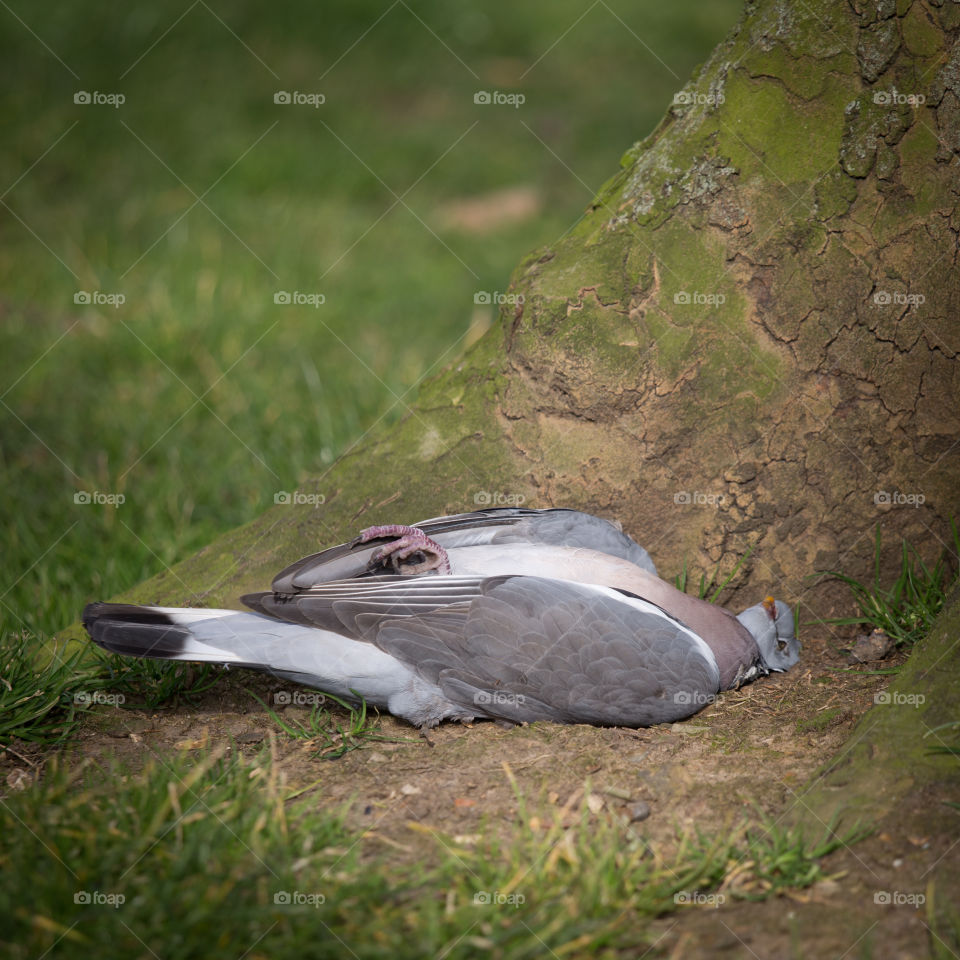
(770, 606)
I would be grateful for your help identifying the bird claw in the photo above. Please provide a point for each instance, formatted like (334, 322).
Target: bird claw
(410, 540)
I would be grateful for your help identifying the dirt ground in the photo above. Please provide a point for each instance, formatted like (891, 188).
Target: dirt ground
(753, 748)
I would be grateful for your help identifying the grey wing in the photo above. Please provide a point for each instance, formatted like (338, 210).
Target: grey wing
(571, 528)
(526, 648)
(338, 605)
(555, 526)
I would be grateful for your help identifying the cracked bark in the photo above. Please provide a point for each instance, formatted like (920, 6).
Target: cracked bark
(749, 336)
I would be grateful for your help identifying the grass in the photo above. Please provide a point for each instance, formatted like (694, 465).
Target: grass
(783, 859)
(149, 684)
(38, 701)
(334, 738)
(703, 588)
(195, 859)
(43, 693)
(906, 609)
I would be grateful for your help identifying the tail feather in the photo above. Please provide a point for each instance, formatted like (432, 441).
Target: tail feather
(323, 659)
(161, 633)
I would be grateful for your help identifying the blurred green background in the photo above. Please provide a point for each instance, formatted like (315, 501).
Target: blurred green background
(199, 199)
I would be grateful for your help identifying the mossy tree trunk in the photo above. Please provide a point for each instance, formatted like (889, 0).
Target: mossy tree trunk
(749, 340)
(900, 747)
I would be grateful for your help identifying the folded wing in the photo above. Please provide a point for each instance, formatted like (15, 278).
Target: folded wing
(522, 648)
(511, 527)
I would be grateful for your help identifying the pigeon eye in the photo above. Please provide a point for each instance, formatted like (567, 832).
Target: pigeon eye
(781, 645)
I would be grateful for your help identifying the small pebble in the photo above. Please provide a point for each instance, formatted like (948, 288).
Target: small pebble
(18, 779)
(638, 810)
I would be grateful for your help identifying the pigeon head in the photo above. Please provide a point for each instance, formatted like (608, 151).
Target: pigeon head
(771, 625)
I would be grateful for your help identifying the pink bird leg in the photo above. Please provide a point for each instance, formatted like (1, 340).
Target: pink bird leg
(409, 540)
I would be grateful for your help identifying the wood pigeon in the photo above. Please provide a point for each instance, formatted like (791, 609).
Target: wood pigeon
(512, 614)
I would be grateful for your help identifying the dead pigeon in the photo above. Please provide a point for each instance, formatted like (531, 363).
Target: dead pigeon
(511, 615)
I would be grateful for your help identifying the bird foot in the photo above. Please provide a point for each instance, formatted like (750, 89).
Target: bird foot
(410, 540)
